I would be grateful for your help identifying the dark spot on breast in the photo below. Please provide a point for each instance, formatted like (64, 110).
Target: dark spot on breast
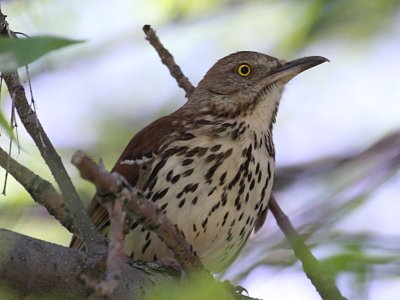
(194, 201)
(242, 187)
(187, 161)
(255, 140)
(242, 231)
(169, 175)
(215, 148)
(214, 208)
(211, 171)
(247, 197)
(159, 194)
(224, 199)
(175, 178)
(228, 153)
(187, 173)
(222, 178)
(164, 206)
(152, 184)
(181, 150)
(258, 168)
(194, 227)
(212, 191)
(187, 136)
(134, 225)
(204, 223)
(182, 203)
(194, 187)
(154, 173)
(225, 218)
(241, 216)
(201, 152)
(269, 170)
(253, 182)
(234, 180)
(146, 246)
(210, 158)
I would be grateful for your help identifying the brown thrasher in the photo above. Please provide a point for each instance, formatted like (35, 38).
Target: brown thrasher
(210, 164)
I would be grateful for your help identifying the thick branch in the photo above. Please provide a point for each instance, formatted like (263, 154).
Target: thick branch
(147, 212)
(322, 281)
(40, 190)
(168, 60)
(41, 270)
(29, 119)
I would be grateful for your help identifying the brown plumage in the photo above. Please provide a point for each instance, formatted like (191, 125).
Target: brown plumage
(210, 165)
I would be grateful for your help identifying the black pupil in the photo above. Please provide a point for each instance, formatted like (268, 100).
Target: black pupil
(244, 69)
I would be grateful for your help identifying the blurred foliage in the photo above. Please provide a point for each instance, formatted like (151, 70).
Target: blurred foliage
(194, 287)
(15, 53)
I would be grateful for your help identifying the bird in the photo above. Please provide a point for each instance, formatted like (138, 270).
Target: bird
(209, 165)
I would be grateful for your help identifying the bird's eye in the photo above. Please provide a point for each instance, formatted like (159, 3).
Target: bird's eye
(244, 70)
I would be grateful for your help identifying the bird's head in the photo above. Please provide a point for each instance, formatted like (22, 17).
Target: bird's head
(247, 82)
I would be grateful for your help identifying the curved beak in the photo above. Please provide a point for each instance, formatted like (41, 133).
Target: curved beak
(292, 68)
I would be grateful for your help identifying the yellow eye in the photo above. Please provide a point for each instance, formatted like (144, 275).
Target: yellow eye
(244, 70)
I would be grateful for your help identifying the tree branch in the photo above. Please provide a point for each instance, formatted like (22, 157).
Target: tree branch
(147, 213)
(323, 282)
(92, 238)
(168, 60)
(40, 270)
(40, 190)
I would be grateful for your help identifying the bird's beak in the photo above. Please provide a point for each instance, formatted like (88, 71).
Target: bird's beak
(292, 68)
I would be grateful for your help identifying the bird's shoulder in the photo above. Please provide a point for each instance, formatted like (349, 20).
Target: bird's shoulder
(147, 144)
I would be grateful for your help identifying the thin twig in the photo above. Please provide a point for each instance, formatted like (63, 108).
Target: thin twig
(147, 212)
(115, 255)
(168, 60)
(92, 238)
(40, 190)
(322, 281)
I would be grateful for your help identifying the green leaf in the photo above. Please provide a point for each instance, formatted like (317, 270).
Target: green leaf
(15, 52)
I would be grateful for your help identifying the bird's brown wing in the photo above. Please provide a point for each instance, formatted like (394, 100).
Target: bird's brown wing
(145, 143)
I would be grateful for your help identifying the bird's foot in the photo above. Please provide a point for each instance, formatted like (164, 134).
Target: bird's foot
(171, 265)
(235, 289)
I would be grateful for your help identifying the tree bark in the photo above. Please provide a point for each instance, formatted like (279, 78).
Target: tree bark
(35, 269)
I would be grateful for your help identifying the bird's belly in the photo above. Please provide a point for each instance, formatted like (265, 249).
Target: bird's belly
(214, 196)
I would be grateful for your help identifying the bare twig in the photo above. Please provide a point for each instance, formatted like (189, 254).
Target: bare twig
(40, 190)
(116, 255)
(168, 60)
(147, 212)
(88, 232)
(323, 282)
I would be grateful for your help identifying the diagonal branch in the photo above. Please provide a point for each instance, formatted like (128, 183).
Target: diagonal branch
(148, 213)
(322, 281)
(168, 60)
(40, 190)
(29, 119)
